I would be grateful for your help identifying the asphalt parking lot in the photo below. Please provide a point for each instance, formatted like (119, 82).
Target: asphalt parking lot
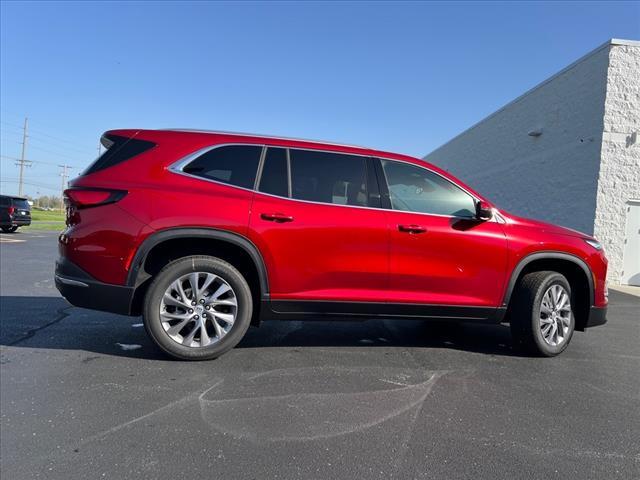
(86, 395)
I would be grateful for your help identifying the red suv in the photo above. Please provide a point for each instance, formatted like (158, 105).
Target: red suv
(205, 233)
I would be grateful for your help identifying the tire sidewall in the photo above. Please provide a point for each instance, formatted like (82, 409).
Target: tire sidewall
(545, 348)
(168, 275)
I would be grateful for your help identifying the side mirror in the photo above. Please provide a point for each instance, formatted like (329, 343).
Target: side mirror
(483, 210)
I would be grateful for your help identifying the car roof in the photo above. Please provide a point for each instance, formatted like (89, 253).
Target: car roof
(286, 142)
(14, 197)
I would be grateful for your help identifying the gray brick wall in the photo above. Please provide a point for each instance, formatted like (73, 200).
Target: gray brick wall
(552, 177)
(619, 179)
(587, 114)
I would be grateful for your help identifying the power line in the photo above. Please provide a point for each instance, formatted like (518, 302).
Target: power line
(12, 127)
(39, 161)
(32, 161)
(58, 139)
(51, 152)
(11, 124)
(75, 150)
(33, 184)
(38, 122)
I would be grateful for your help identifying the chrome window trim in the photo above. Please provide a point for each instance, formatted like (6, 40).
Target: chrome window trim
(180, 164)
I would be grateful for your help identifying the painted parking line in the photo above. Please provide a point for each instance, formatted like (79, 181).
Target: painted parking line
(4, 239)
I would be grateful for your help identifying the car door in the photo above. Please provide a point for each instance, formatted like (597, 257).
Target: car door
(440, 254)
(322, 246)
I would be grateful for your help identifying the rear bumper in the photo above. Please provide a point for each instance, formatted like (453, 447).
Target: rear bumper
(16, 222)
(82, 290)
(597, 316)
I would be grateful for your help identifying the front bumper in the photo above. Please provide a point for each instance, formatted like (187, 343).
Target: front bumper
(82, 290)
(597, 316)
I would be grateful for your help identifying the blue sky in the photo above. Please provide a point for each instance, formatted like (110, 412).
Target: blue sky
(404, 77)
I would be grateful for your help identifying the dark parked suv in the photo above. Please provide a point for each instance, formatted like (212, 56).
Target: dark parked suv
(205, 233)
(14, 212)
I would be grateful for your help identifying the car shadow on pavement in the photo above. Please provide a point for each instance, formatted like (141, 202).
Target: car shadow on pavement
(435, 333)
(52, 323)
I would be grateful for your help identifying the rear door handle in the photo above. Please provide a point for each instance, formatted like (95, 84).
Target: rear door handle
(276, 217)
(412, 228)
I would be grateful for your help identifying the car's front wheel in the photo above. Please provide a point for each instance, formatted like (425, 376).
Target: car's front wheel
(197, 308)
(541, 316)
(11, 229)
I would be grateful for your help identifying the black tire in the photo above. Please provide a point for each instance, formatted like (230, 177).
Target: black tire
(10, 229)
(173, 271)
(525, 314)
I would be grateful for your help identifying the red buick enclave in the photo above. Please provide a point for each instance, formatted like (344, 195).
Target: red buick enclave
(205, 233)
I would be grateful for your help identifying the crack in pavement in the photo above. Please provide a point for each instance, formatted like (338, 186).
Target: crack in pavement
(62, 314)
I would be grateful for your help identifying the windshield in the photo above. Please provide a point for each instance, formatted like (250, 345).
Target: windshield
(21, 203)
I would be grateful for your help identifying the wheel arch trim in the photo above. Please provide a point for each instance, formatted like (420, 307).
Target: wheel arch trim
(233, 238)
(547, 255)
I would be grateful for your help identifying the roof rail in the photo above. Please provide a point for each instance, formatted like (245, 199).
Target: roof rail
(275, 137)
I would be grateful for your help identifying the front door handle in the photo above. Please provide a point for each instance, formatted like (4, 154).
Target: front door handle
(276, 217)
(412, 228)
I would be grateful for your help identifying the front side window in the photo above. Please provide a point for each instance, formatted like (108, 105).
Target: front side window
(328, 177)
(233, 164)
(415, 189)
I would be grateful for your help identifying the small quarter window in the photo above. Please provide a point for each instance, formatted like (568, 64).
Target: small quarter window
(233, 164)
(118, 149)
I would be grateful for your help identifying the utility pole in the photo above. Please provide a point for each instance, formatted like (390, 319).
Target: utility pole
(99, 148)
(64, 174)
(23, 162)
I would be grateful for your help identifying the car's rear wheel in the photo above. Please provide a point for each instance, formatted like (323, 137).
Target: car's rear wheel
(197, 308)
(10, 229)
(542, 320)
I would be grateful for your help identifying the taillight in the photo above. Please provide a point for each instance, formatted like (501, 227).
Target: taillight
(12, 210)
(91, 197)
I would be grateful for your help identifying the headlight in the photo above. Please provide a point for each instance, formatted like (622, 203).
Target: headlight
(594, 243)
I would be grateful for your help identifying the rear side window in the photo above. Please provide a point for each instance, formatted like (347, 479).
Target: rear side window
(119, 149)
(275, 178)
(5, 202)
(233, 164)
(328, 177)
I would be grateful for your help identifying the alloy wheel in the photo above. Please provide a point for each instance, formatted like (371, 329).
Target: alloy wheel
(198, 309)
(555, 315)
